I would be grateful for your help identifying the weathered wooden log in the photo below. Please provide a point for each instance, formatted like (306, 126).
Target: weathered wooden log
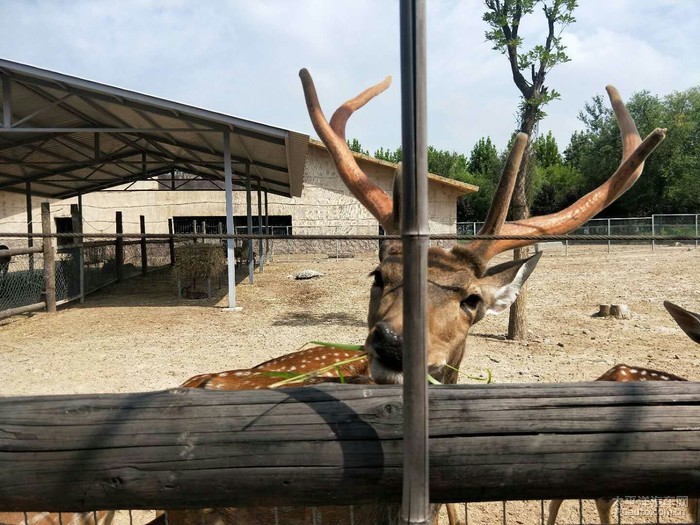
(620, 311)
(341, 444)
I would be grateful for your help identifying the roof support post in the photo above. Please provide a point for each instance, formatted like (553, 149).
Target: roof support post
(231, 257)
(30, 226)
(6, 102)
(249, 223)
(415, 239)
(261, 255)
(267, 228)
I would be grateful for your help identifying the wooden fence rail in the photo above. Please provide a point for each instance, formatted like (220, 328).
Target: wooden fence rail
(341, 444)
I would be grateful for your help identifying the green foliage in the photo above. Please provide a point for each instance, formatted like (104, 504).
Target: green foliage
(670, 183)
(388, 155)
(546, 151)
(355, 146)
(504, 19)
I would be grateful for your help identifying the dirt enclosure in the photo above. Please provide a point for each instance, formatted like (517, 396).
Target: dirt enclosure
(138, 336)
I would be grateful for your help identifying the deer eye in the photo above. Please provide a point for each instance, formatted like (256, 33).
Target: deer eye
(472, 302)
(378, 280)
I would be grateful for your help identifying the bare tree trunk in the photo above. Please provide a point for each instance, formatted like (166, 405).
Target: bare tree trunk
(520, 209)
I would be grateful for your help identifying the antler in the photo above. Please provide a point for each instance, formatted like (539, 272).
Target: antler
(634, 152)
(372, 197)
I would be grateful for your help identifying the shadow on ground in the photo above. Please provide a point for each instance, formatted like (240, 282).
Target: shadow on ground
(308, 318)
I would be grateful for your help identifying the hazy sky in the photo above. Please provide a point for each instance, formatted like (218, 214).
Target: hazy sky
(243, 57)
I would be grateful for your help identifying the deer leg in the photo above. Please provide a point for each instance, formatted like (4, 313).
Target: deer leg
(693, 510)
(603, 505)
(453, 514)
(553, 511)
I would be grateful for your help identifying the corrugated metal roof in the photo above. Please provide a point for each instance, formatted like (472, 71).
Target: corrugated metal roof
(66, 135)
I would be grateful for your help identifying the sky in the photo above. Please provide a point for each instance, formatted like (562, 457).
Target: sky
(243, 57)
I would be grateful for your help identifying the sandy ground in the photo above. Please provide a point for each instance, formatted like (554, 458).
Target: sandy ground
(138, 336)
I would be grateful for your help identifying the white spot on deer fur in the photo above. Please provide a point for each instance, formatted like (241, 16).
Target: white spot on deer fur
(633, 370)
(654, 374)
(292, 368)
(623, 372)
(665, 378)
(643, 372)
(223, 374)
(243, 373)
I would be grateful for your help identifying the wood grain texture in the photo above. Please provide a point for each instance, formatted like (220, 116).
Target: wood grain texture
(341, 444)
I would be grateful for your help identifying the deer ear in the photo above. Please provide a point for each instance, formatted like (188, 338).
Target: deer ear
(501, 284)
(688, 321)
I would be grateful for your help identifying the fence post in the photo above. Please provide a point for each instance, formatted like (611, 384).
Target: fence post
(119, 247)
(49, 260)
(194, 229)
(653, 232)
(144, 253)
(608, 235)
(696, 230)
(79, 251)
(171, 242)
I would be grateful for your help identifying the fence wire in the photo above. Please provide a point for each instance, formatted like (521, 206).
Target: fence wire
(624, 511)
(21, 281)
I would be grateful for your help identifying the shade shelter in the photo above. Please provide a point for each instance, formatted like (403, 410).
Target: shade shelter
(64, 136)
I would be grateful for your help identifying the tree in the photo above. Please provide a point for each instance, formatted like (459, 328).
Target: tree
(483, 169)
(355, 146)
(504, 19)
(669, 183)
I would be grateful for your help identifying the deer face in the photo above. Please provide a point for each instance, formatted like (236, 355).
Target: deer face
(460, 293)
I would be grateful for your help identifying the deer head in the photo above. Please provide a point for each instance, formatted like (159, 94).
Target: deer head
(462, 288)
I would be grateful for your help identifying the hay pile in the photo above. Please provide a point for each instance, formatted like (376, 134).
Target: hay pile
(197, 261)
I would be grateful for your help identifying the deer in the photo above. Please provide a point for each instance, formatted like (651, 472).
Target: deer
(462, 288)
(690, 324)
(5, 261)
(57, 518)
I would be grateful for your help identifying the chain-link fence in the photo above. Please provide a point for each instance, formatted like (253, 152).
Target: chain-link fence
(687, 225)
(21, 280)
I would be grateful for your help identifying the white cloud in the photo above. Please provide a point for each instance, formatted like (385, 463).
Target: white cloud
(242, 57)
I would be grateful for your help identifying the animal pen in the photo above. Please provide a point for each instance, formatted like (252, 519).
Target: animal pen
(338, 448)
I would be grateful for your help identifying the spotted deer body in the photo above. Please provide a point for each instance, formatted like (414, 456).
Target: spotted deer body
(690, 323)
(462, 288)
(57, 518)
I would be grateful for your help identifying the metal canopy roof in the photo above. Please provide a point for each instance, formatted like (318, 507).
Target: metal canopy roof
(63, 136)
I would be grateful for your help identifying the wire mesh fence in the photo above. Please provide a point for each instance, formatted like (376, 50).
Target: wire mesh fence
(21, 280)
(676, 225)
(623, 511)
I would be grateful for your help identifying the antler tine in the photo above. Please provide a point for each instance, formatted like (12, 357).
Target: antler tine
(377, 202)
(568, 219)
(496, 216)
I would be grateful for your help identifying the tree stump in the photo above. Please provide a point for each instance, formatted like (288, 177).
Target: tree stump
(618, 311)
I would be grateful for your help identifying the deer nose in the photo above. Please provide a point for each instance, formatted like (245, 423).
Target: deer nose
(388, 346)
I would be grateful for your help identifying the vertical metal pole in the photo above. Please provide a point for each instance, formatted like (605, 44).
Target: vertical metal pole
(653, 232)
(415, 240)
(267, 228)
(229, 223)
(171, 242)
(194, 229)
(30, 226)
(144, 248)
(49, 259)
(119, 249)
(249, 218)
(696, 230)
(260, 230)
(77, 223)
(608, 235)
